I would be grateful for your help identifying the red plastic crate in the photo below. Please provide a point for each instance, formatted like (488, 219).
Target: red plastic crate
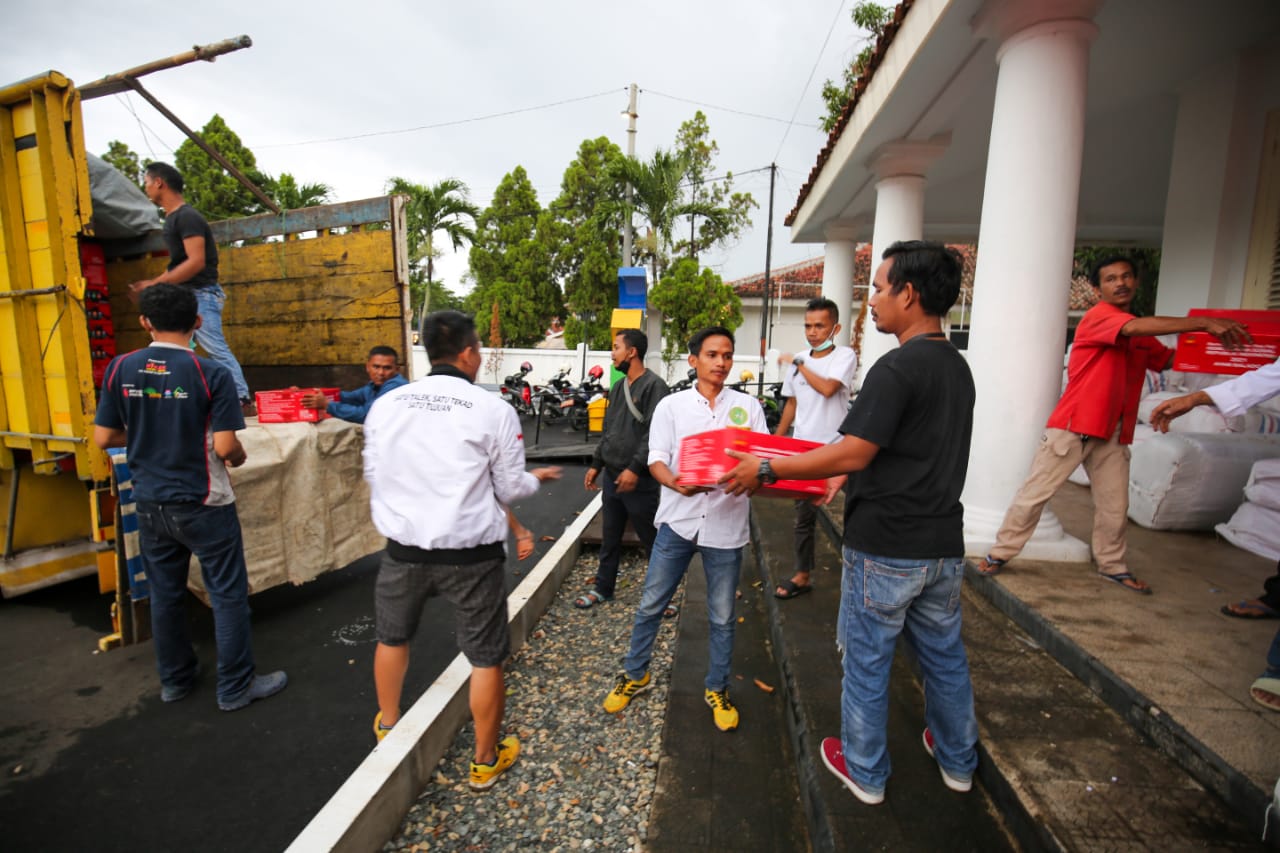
(703, 459)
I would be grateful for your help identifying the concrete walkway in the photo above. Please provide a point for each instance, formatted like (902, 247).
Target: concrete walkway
(1108, 720)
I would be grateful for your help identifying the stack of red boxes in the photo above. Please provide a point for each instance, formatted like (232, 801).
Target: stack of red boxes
(285, 406)
(97, 309)
(1201, 352)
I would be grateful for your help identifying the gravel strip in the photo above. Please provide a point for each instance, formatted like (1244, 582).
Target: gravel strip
(585, 778)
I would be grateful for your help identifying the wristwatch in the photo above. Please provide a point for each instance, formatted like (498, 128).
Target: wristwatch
(798, 360)
(765, 475)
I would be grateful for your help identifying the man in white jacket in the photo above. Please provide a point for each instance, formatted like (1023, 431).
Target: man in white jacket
(443, 458)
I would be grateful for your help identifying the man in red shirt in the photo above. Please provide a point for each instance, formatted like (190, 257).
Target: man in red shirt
(1093, 422)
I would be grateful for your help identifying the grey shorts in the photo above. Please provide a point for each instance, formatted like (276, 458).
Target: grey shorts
(477, 591)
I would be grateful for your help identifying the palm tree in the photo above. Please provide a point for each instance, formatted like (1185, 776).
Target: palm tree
(658, 196)
(290, 195)
(442, 207)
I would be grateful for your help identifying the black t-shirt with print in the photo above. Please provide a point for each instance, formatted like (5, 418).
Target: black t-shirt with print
(186, 222)
(916, 405)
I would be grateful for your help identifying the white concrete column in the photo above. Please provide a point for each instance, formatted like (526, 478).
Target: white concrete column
(1025, 246)
(837, 274)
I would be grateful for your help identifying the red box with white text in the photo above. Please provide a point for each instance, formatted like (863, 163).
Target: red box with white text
(1201, 352)
(285, 406)
(703, 459)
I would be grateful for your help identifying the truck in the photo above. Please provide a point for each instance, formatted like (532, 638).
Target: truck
(309, 291)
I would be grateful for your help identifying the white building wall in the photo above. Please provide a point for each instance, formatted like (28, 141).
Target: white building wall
(1213, 182)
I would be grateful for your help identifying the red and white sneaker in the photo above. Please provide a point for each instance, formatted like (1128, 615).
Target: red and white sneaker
(953, 782)
(833, 757)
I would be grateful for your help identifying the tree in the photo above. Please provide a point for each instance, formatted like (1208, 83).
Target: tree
(289, 195)
(695, 145)
(512, 265)
(690, 300)
(658, 195)
(583, 229)
(211, 189)
(125, 160)
(442, 208)
(872, 19)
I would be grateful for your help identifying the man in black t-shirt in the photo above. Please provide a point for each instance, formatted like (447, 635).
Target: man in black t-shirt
(177, 415)
(193, 262)
(905, 450)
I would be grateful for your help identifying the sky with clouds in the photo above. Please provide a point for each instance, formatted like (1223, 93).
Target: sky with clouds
(322, 69)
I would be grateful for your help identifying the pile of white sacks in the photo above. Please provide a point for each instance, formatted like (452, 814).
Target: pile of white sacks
(1210, 472)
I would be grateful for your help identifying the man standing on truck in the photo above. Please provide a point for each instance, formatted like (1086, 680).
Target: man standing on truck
(383, 368)
(193, 262)
(442, 458)
(177, 414)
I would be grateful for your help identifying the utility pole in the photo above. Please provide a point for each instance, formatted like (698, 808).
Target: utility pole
(631, 152)
(765, 326)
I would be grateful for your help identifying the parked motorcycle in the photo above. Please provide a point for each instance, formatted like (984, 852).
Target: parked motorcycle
(516, 391)
(548, 399)
(576, 405)
(685, 383)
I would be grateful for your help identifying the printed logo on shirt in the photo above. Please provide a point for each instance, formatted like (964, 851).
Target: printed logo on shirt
(151, 392)
(179, 393)
(155, 366)
(433, 402)
(738, 416)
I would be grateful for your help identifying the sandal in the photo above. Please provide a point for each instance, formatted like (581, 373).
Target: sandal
(791, 589)
(671, 611)
(1250, 609)
(1128, 581)
(990, 566)
(1266, 692)
(588, 599)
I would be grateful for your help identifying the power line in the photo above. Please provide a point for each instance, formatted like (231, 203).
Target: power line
(725, 109)
(437, 125)
(812, 71)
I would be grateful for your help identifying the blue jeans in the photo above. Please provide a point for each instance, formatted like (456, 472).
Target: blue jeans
(168, 534)
(667, 564)
(616, 507)
(209, 302)
(1273, 658)
(879, 598)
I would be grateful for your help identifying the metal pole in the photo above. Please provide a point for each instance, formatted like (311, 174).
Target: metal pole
(204, 146)
(765, 325)
(631, 152)
(115, 83)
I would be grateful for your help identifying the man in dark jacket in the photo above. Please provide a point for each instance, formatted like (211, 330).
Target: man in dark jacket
(623, 454)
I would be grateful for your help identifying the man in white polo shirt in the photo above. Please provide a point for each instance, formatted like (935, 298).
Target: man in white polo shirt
(442, 458)
(817, 385)
(693, 519)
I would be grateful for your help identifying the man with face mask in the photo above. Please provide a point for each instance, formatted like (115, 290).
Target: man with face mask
(817, 385)
(623, 455)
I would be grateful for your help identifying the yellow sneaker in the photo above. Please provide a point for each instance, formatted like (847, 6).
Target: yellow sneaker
(484, 775)
(722, 710)
(378, 731)
(620, 696)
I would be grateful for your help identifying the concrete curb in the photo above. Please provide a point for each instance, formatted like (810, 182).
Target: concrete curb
(369, 808)
(1199, 761)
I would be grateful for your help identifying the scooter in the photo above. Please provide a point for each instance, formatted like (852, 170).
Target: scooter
(577, 405)
(516, 391)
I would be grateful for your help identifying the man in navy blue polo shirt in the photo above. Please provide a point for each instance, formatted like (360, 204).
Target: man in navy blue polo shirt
(177, 415)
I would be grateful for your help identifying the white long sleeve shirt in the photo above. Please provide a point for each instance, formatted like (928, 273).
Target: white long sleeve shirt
(442, 457)
(713, 518)
(1246, 390)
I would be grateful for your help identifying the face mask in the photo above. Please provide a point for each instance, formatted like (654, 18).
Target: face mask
(827, 344)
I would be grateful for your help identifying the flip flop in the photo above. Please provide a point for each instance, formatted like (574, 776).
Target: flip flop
(1266, 692)
(792, 589)
(1126, 580)
(588, 599)
(671, 611)
(1250, 609)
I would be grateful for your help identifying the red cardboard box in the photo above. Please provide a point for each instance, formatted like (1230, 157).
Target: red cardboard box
(285, 406)
(703, 459)
(1201, 352)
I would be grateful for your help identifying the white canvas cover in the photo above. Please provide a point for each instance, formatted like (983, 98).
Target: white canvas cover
(302, 501)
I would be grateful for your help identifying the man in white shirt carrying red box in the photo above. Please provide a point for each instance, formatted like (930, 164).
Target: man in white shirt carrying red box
(694, 519)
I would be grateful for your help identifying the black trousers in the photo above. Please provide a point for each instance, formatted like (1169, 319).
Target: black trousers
(616, 507)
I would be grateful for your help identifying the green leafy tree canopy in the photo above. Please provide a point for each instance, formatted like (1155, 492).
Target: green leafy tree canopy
(695, 145)
(870, 18)
(691, 299)
(443, 208)
(126, 161)
(209, 188)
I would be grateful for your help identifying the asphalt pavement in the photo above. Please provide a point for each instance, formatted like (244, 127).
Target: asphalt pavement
(91, 759)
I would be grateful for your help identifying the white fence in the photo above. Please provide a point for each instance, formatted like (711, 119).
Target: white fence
(546, 363)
